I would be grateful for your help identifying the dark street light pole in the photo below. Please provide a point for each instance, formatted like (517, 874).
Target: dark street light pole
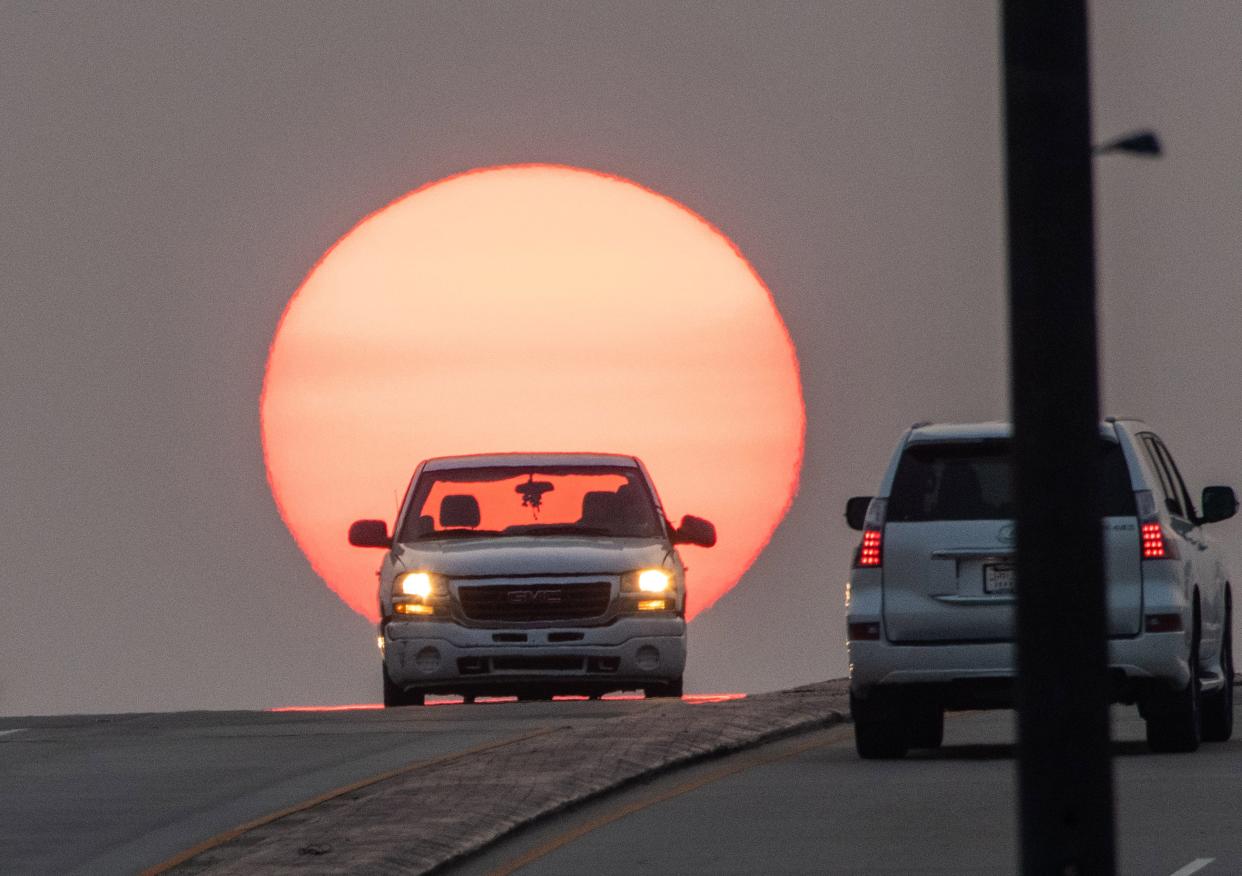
(1064, 771)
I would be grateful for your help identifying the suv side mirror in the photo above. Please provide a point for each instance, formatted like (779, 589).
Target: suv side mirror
(369, 533)
(1219, 503)
(695, 530)
(856, 511)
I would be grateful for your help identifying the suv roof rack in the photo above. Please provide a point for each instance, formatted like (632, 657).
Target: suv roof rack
(921, 423)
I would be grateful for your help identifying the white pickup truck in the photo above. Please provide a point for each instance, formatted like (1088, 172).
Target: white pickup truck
(530, 575)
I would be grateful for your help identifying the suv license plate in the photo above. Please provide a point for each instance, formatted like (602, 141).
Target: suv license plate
(999, 579)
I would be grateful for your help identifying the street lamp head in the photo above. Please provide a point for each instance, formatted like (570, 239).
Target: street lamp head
(1142, 143)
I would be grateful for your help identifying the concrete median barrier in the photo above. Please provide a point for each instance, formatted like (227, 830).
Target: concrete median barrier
(428, 815)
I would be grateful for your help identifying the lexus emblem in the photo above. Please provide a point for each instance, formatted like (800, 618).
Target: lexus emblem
(1007, 534)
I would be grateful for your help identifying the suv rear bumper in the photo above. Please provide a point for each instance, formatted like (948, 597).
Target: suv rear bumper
(435, 655)
(976, 673)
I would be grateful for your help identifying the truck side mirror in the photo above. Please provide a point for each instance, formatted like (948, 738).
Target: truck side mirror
(1219, 503)
(695, 530)
(856, 511)
(369, 533)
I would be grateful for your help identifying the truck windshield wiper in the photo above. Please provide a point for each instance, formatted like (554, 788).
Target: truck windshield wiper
(556, 529)
(459, 533)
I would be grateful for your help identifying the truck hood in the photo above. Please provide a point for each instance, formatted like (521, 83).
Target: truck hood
(533, 555)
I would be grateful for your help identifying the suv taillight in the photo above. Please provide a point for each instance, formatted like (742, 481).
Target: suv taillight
(870, 553)
(1154, 542)
(1154, 547)
(870, 550)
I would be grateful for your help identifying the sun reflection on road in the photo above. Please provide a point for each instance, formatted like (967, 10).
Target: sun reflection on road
(432, 700)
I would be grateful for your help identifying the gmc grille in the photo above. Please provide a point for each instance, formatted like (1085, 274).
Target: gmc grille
(535, 602)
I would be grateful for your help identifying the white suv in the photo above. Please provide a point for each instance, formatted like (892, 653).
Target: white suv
(531, 575)
(930, 600)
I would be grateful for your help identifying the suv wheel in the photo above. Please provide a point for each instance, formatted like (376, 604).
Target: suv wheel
(673, 688)
(1175, 721)
(395, 696)
(1218, 705)
(880, 727)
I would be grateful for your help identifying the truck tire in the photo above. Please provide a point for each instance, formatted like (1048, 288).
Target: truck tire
(395, 697)
(1175, 721)
(1218, 705)
(880, 728)
(673, 688)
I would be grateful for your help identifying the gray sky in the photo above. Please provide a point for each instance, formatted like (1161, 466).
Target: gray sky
(170, 172)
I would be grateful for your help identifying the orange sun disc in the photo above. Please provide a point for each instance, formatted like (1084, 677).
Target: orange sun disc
(532, 308)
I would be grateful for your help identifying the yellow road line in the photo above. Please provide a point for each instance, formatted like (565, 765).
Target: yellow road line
(736, 764)
(222, 838)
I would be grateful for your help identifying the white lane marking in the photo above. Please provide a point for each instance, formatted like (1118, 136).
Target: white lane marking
(11, 732)
(1193, 867)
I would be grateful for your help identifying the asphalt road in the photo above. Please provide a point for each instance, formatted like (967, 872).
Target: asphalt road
(808, 805)
(119, 793)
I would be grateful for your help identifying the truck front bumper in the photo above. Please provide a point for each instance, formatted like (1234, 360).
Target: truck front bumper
(437, 655)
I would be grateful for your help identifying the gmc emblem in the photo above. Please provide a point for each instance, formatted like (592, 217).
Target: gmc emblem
(547, 597)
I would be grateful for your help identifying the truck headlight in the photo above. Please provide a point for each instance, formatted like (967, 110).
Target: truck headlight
(414, 584)
(414, 593)
(640, 586)
(654, 581)
(647, 581)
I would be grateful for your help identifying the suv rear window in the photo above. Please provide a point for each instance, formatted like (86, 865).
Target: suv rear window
(973, 481)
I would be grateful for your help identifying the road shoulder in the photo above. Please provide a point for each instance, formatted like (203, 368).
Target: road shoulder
(534, 842)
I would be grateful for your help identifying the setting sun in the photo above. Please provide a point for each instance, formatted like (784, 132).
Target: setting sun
(532, 308)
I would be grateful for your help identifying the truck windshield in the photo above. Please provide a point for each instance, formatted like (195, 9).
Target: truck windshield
(551, 500)
(973, 481)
